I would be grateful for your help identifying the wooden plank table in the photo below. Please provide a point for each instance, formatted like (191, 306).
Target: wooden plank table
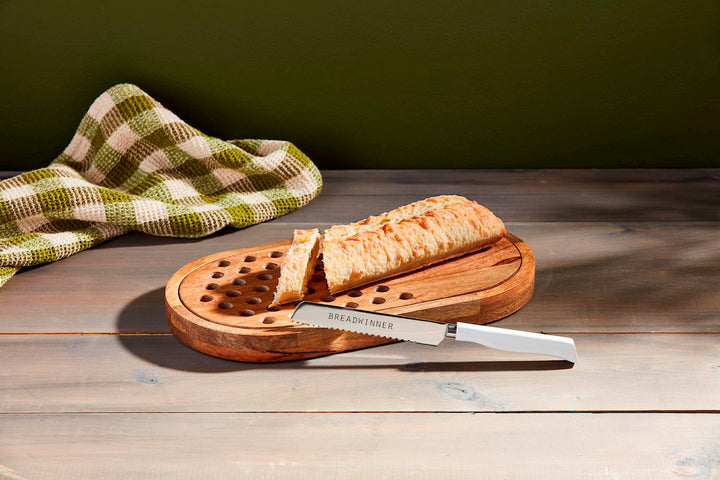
(93, 386)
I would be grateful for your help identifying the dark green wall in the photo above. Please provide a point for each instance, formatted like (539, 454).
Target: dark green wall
(382, 83)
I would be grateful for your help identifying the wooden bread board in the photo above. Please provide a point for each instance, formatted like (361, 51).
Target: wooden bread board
(218, 304)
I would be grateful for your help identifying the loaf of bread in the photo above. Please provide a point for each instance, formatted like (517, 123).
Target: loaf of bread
(406, 239)
(298, 267)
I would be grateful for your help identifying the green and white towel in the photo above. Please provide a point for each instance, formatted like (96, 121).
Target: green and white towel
(134, 165)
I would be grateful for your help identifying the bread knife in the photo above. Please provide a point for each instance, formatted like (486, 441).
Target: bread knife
(428, 332)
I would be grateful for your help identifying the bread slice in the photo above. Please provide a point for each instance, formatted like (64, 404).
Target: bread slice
(406, 239)
(298, 267)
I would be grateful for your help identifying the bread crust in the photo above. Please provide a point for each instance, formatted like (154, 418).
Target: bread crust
(338, 232)
(298, 267)
(406, 239)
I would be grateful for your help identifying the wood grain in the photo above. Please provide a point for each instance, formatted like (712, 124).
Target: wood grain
(91, 376)
(617, 205)
(318, 446)
(158, 373)
(626, 277)
(603, 277)
(533, 195)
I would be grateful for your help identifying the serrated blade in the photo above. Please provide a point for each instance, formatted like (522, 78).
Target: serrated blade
(372, 323)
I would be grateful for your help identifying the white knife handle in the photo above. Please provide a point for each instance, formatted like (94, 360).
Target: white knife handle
(517, 341)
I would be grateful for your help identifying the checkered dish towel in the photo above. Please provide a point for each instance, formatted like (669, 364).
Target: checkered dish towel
(134, 165)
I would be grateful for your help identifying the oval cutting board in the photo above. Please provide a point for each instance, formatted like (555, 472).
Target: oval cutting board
(218, 304)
